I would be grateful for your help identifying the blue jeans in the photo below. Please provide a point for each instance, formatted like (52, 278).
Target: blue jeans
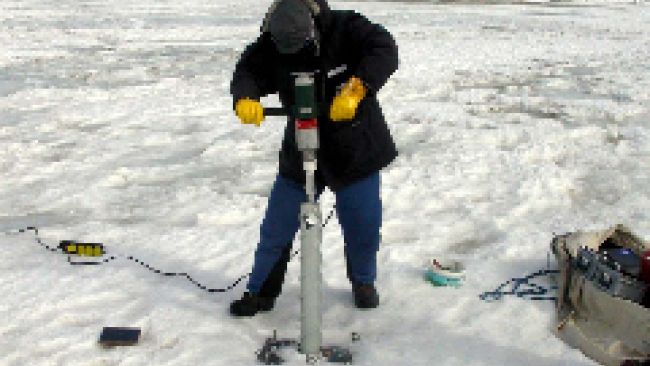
(358, 207)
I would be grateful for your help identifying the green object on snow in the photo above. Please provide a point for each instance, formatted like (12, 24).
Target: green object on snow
(445, 274)
(440, 280)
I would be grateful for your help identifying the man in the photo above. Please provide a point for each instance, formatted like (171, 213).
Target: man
(353, 59)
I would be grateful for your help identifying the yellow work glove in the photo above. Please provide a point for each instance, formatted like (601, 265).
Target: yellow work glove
(249, 111)
(344, 106)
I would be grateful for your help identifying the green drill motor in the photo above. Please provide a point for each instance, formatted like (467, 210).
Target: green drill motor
(305, 111)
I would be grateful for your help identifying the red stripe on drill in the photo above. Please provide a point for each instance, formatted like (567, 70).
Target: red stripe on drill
(306, 124)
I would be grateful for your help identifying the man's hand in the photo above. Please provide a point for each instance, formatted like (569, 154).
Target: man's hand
(249, 111)
(344, 106)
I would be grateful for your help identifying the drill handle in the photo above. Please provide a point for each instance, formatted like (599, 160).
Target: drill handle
(275, 111)
(279, 111)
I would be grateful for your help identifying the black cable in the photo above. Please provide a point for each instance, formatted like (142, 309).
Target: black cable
(534, 292)
(147, 266)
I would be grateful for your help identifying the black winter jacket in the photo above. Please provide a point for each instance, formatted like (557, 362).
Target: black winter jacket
(350, 45)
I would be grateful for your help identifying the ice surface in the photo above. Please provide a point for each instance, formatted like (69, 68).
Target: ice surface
(513, 121)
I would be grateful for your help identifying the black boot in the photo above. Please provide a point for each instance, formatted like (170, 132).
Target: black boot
(365, 296)
(250, 304)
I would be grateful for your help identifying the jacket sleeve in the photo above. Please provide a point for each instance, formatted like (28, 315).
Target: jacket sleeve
(252, 76)
(377, 51)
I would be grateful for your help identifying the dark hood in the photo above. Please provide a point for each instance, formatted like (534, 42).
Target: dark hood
(323, 19)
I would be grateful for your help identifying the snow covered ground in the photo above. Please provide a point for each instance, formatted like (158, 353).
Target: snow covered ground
(513, 121)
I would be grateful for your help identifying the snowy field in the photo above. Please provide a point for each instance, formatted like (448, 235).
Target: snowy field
(513, 121)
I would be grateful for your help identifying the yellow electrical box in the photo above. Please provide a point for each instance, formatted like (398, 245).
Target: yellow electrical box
(82, 249)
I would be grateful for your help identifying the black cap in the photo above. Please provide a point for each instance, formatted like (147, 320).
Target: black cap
(291, 25)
